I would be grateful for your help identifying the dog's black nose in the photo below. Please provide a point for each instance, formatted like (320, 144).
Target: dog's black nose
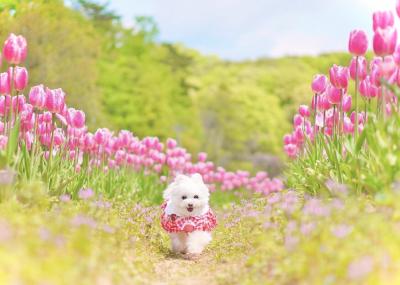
(190, 205)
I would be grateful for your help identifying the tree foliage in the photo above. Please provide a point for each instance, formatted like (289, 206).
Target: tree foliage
(124, 78)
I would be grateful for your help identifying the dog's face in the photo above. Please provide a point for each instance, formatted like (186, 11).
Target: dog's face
(188, 195)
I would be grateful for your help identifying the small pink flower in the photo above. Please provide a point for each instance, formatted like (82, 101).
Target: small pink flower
(360, 268)
(85, 194)
(341, 231)
(65, 198)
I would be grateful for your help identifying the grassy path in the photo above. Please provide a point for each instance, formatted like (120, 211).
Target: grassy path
(283, 239)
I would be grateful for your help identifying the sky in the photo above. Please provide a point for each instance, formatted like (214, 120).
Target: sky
(249, 29)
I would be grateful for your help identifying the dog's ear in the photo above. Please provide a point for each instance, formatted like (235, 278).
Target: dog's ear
(168, 192)
(198, 178)
(179, 178)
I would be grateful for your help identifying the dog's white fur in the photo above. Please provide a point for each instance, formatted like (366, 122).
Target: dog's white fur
(188, 186)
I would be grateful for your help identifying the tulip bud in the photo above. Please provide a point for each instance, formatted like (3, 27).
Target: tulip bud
(358, 42)
(15, 49)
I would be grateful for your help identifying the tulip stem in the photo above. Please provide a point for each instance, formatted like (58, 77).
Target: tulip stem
(356, 100)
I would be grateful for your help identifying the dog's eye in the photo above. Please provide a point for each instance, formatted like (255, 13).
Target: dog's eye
(184, 197)
(196, 196)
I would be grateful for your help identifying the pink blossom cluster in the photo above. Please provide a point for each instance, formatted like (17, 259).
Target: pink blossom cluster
(49, 127)
(333, 110)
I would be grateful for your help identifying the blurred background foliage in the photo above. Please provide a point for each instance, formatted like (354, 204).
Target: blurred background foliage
(123, 77)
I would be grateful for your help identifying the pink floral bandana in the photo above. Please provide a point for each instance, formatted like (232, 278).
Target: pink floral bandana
(173, 223)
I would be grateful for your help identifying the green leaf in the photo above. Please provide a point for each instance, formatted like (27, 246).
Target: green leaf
(13, 141)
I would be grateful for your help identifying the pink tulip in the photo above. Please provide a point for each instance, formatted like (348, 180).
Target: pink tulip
(398, 7)
(171, 143)
(54, 100)
(348, 126)
(382, 20)
(5, 84)
(15, 49)
(339, 76)
(361, 68)
(396, 54)
(75, 118)
(298, 120)
(319, 83)
(358, 43)
(323, 103)
(346, 103)
(37, 96)
(384, 41)
(18, 102)
(299, 134)
(291, 150)
(387, 68)
(334, 95)
(304, 111)
(287, 139)
(364, 87)
(20, 78)
(202, 156)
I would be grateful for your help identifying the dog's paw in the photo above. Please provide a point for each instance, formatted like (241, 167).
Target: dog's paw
(192, 256)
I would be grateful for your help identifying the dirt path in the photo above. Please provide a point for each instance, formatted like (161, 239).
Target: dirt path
(174, 270)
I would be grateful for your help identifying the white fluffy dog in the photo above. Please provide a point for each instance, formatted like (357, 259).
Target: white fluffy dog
(187, 216)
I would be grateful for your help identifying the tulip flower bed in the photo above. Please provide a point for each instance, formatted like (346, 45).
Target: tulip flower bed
(350, 133)
(42, 139)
